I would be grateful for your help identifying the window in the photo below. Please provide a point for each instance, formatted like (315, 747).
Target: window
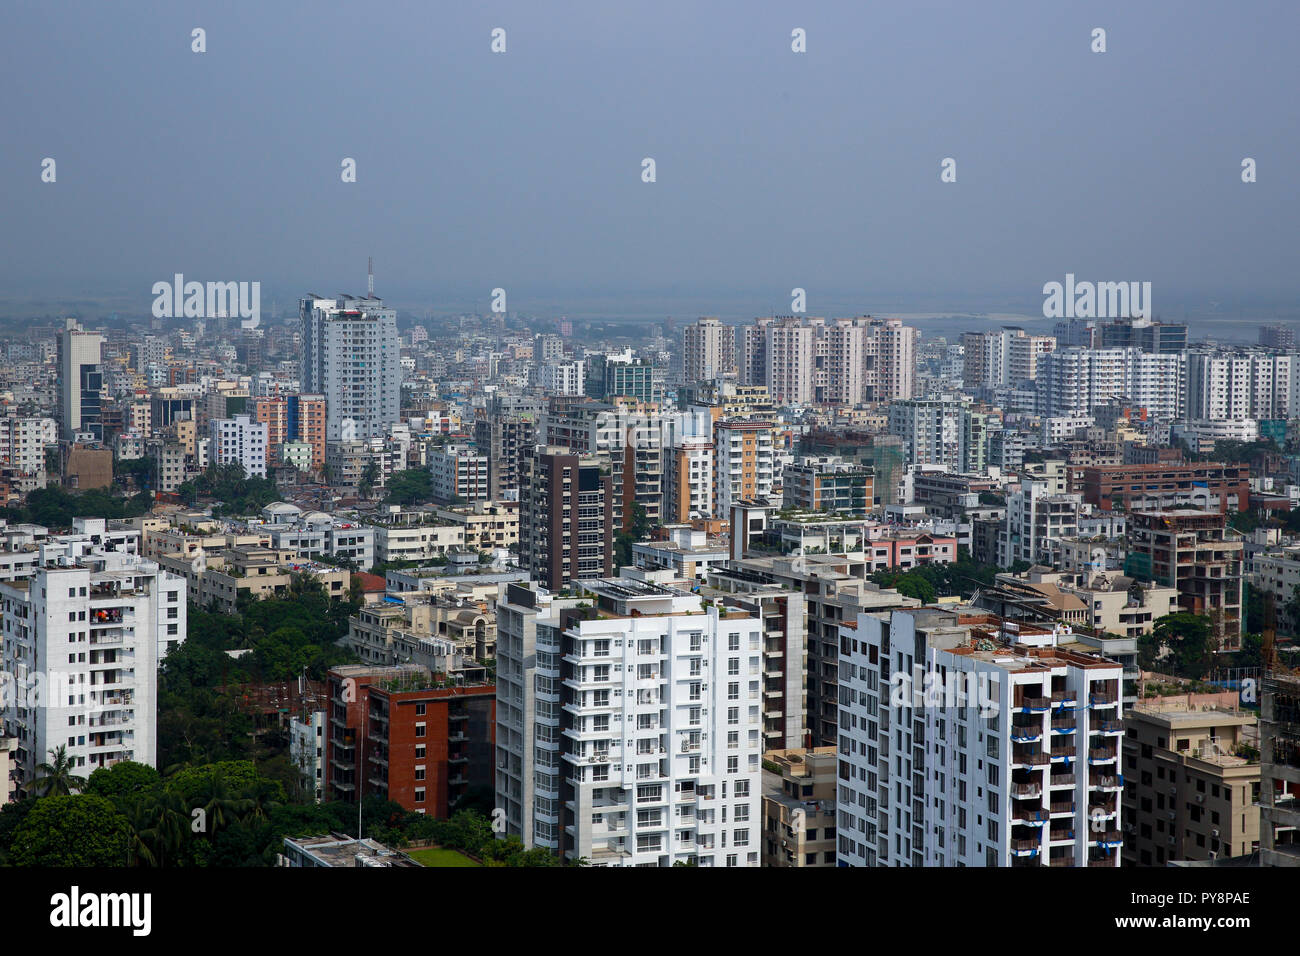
(419, 794)
(420, 710)
(419, 729)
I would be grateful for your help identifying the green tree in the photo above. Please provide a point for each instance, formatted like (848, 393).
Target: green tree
(56, 776)
(124, 778)
(81, 830)
(411, 487)
(1188, 640)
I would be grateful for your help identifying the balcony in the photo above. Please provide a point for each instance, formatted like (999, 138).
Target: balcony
(1065, 859)
(1065, 725)
(1058, 780)
(1026, 732)
(1102, 700)
(1029, 758)
(1031, 818)
(1063, 751)
(1109, 727)
(1107, 838)
(1026, 791)
(1107, 784)
(1025, 847)
(1033, 705)
(1064, 699)
(1100, 755)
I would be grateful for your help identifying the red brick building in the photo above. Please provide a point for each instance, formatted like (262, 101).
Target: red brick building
(1103, 485)
(421, 742)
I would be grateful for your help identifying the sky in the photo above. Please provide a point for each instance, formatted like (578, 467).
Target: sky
(774, 169)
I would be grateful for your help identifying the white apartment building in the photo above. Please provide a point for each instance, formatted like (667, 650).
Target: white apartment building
(1074, 380)
(791, 361)
(629, 730)
(1201, 434)
(1037, 519)
(1056, 431)
(562, 378)
(83, 637)
(416, 542)
(458, 474)
(351, 355)
(931, 431)
(23, 442)
(1007, 356)
(238, 439)
(708, 350)
(961, 744)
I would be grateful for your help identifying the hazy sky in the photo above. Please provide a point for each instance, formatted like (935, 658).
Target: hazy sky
(774, 169)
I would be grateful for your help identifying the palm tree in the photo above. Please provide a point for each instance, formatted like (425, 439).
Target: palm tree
(57, 778)
(139, 816)
(168, 826)
(221, 806)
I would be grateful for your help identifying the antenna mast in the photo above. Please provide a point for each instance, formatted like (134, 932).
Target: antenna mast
(370, 277)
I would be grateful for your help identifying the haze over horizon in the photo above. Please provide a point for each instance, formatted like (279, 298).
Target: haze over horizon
(775, 170)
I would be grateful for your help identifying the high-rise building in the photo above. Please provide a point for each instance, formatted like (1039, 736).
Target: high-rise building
(562, 378)
(1277, 336)
(1155, 337)
(459, 475)
(799, 807)
(965, 742)
(1192, 789)
(708, 350)
(931, 431)
(1279, 745)
(406, 735)
(84, 634)
(629, 725)
(241, 440)
(566, 517)
(745, 459)
(81, 382)
(352, 356)
(1074, 380)
(1196, 552)
(505, 437)
(1008, 356)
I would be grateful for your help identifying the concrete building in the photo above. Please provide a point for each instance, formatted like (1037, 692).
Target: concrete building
(745, 462)
(828, 485)
(239, 440)
(628, 728)
(407, 735)
(351, 356)
(1197, 553)
(83, 638)
(566, 518)
(1279, 744)
(965, 742)
(1191, 780)
(81, 382)
(799, 807)
(1037, 519)
(708, 350)
(459, 475)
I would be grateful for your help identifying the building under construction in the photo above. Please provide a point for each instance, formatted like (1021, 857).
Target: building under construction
(1279, 791)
